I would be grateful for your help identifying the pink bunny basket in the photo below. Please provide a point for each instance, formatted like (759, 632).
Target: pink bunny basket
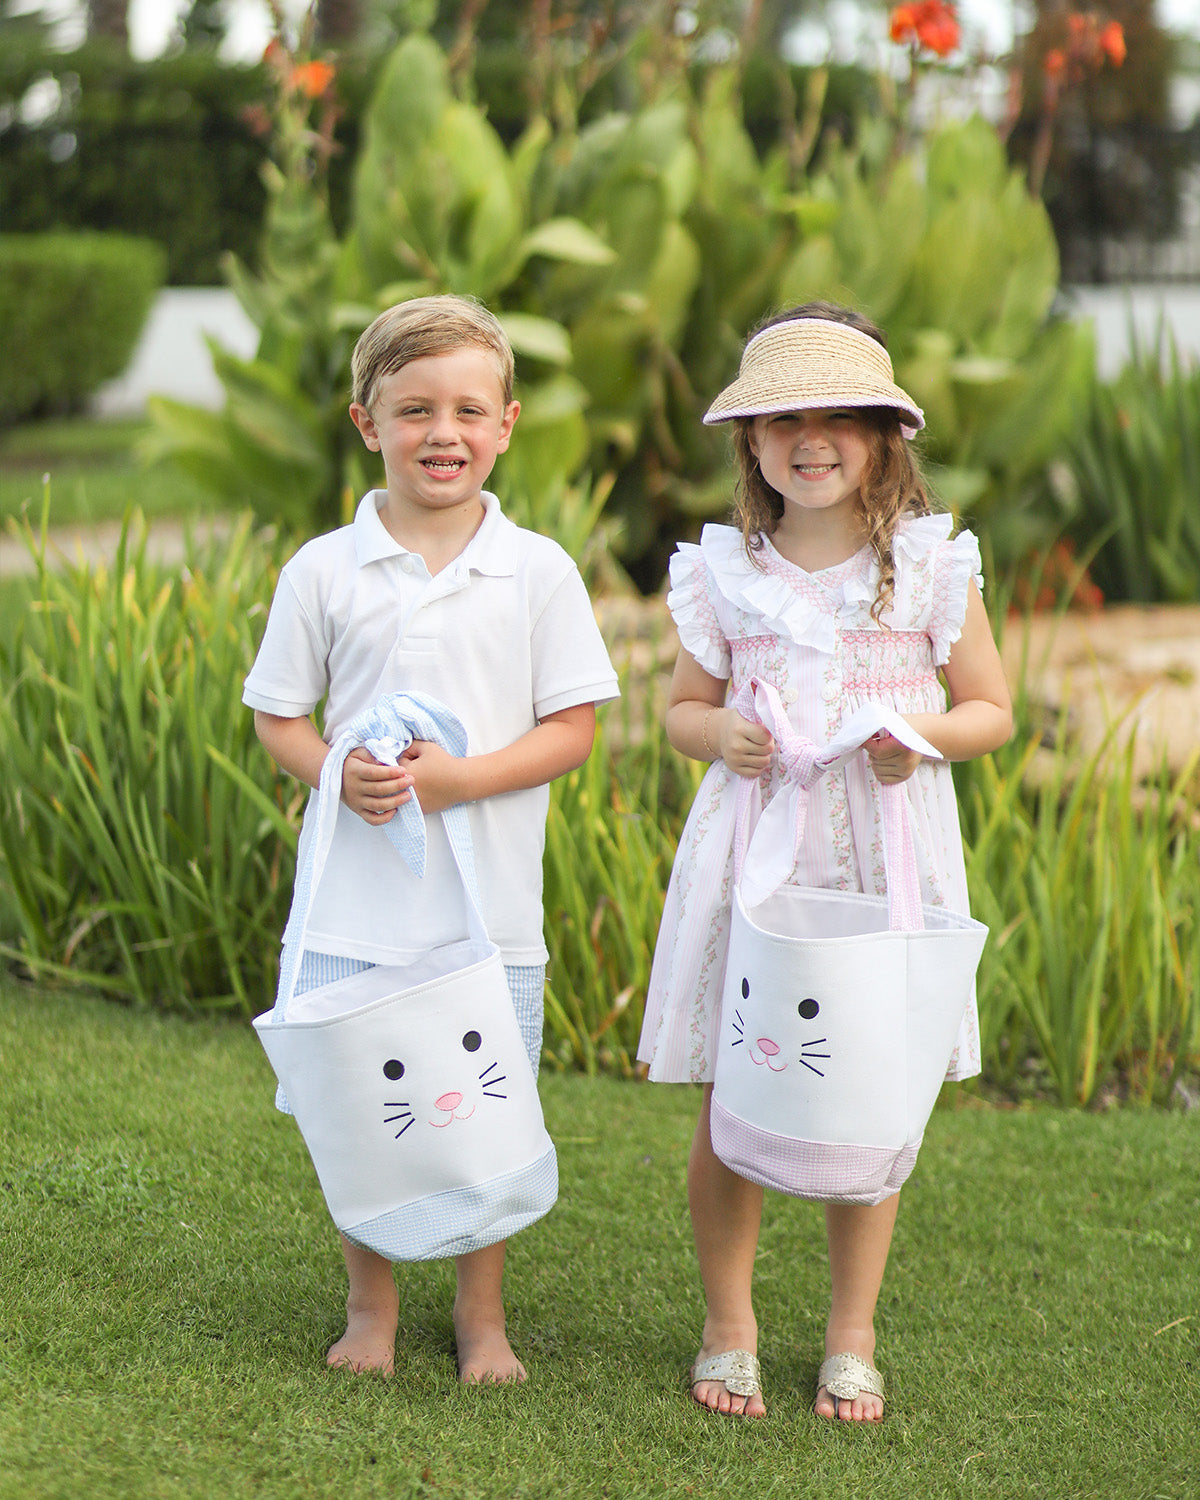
(840, 1010)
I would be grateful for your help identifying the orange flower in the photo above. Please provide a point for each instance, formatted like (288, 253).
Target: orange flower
(312, 78)
(1112, 41)
(903, 24)
(1054, 64)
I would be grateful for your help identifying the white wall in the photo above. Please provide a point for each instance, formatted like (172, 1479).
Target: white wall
(1113, 310)
(172, 358)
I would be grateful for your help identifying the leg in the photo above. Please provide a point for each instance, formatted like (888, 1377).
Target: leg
(726, 1213)
(859, 1241)
(372, 1310)
(484, 1353)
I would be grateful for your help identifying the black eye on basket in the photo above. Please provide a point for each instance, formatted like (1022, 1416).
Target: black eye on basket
(808, 1009)
(472, 1041)
(745, 989)
(393, 1069)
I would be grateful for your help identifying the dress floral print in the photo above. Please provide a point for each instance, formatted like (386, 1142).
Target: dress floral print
(812, 636)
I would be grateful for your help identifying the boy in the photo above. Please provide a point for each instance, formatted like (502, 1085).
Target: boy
(431, 589)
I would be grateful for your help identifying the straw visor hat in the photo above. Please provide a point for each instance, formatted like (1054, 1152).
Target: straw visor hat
(813, 362)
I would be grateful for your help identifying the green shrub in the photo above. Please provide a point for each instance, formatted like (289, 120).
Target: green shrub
(627, 255)
(159, 148)
(72, 307)
(1132, 468)
(145, 838)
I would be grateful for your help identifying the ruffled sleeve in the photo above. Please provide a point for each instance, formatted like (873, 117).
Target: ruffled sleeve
(956, 565)
(692, 602)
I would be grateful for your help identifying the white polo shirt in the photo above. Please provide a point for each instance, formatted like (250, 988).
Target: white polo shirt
(504, 635)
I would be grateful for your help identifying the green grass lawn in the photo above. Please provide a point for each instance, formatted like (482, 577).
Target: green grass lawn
(95, 474)
(171, 1282)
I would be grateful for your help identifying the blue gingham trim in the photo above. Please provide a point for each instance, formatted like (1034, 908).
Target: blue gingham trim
(526, 985)
(418, 1230)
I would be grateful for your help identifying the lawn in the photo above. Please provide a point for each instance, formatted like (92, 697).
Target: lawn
(95, 473)
(171, 1282)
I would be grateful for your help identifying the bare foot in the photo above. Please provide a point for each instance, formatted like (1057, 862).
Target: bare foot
(865, 1407)
(368, 1344)
(715, 1394)
(485, 1357)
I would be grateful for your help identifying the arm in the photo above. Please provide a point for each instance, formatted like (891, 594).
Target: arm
(980, 715)
(557, 744)
(699, 724)
(371, 790)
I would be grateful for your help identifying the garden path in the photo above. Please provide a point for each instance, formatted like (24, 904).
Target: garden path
(98, 543)
(1135, 664)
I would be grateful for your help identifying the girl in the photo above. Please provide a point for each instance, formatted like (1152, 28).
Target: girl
(840, 586)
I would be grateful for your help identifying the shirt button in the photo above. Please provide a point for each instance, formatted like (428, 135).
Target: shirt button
(832, 691)
(789, 696)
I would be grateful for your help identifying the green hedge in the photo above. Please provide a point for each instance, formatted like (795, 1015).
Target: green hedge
(71, 306)
(161, 148)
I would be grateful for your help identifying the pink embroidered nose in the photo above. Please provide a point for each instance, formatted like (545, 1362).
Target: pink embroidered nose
(450, 1102)
(765, 1044)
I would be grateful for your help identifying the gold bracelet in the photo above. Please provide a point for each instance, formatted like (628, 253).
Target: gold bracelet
(704, 732)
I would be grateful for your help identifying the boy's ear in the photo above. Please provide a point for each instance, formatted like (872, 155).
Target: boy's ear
(511, 412)
(365, 423)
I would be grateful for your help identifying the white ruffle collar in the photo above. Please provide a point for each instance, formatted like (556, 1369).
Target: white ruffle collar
(808, 615)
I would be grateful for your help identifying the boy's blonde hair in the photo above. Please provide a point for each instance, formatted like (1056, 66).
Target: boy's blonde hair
(892, 483)
(422, 327)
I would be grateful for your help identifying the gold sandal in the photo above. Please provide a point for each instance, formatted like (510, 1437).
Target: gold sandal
(846, 1376)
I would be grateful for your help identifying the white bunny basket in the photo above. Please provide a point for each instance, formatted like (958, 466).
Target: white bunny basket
(410, 1084)
(840, 1010)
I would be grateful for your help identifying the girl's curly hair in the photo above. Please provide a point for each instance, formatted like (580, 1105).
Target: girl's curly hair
(892, 484)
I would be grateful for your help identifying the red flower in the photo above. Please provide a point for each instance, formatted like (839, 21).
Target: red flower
(931, 24)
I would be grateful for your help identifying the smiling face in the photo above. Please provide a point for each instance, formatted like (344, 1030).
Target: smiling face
(439, 423)
(814, 459)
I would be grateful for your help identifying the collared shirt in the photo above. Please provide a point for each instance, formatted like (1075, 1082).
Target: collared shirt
(504, 635)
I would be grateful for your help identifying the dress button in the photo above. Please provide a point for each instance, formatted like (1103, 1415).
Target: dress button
(832, 691)
(790, 695)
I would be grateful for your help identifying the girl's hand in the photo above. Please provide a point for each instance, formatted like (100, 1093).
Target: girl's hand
(372, 790)
(745, 748)
(890, 760)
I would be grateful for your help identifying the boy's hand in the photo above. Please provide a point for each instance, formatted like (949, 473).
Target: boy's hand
(890, 760)
(746, 748)
(372, 790)
(436, 776)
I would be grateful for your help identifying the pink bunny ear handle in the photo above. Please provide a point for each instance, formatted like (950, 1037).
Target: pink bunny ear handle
(776, 839)
(780, 829)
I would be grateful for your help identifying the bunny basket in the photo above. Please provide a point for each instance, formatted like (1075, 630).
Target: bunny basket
(410, 1084)
(840, 1010)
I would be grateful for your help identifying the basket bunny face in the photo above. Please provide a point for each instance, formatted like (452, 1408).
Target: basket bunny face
(441, 1082)
(788, 1039)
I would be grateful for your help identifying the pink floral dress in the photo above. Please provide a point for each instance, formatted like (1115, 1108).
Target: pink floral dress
(811, 634)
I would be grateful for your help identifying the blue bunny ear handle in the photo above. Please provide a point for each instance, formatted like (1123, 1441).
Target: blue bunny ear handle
(392, 724)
